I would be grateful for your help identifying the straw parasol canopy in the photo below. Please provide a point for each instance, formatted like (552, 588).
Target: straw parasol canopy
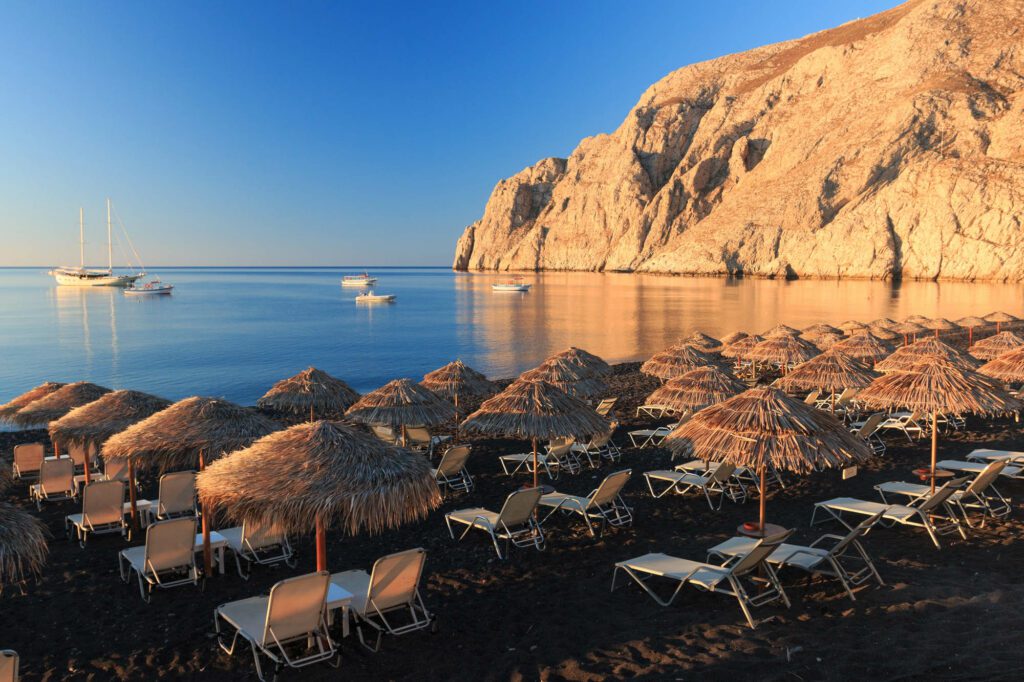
(906, 357)
(23, 546)
(781, 330)
(994, 346)
(675, 361)
(570, 378)
(822, 340)
(311, 391)
(908, 329)
(884, 322)
(863, 346)
(1000, 318)
(702, 342)
(822, 328)
(730, 339)
(588, 361)
(458, 379)
(8, 409)
(940, 324)
(696, 389)
(883, 333)
(536, 410)
(831, 371)
(1008, 367)
(783, 350)
(93, 423)
(937, 386)
(763, 427)
(402, 402)
(58, 403)
(741, 348)
(916, 319)
(324, 474)
(969, 323)
(851, 326)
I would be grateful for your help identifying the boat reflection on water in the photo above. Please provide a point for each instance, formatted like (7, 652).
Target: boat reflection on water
(87, 322)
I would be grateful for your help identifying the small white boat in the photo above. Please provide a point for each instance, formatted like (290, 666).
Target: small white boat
(367, 297)
(363, 280)
(516, 284)
(154, 288)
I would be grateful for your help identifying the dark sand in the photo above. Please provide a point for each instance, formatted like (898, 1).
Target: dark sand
(953, 614)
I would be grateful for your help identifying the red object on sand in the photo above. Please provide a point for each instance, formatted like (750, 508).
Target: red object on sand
(751, 525)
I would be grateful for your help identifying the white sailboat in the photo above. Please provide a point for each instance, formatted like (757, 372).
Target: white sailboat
(84, 277)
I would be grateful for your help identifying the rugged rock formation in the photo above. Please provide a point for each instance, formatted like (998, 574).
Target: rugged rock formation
(892, 146)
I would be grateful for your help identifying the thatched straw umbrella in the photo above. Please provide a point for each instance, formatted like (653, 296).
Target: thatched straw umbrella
(458, 379)
(57, 404)
(831, 371)
(851, 326)
(863, 346)
(588, 361)
(190, 433)
(311, 391)
(916, 319)
(969, 323)
(822, 340)
(323, 474)
(730, 339)
(936, 386)
(740, 348)
(402, 403)
(23, 546)
(1000, 318)
(884, 322)
(570, 378)
(536, 410)
(780, 330)
(93, 423)
(702, 342)
(883, 333)
(1008, 367)
(10, 408)
(762, 428)
(783, 350)
(994, 346)
(940, 324)
(906, 357)
(676, 361)
(822, 328)
(908, 329)
(696, 389)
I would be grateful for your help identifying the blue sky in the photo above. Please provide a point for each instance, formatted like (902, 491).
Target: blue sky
(321, 133)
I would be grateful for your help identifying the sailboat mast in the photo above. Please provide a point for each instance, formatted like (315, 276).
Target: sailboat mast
(81, 238)
(110, 247)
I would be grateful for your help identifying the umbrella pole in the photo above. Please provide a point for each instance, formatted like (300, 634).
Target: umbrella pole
(131, 495)
(321, 546)
(970, 336)
(457, 424)
(207, 550)
(534, 462)
(312, 418)
(764, 489)
(935, 440)
(56, 449)
(403, 435)
(833, 403)
(86, 448)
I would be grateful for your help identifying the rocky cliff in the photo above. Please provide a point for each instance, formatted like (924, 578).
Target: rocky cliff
(889, 147)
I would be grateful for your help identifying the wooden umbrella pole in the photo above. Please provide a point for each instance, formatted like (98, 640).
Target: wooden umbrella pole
(833, 403)
(457, 423)
(764, 490)
(935, 440)
(403, 435)
(134, 514)
(56, 449)
(534, 462)
(970, 336)
(87, 463)
(207, 550)
(312, 418)
(936, 333)
(321, 546)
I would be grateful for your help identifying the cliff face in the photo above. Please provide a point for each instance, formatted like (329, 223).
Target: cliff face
(892, 146)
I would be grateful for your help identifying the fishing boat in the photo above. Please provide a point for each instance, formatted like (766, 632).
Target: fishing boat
(514, 284)
(84, 277)
(152, 288)
(368, 297)
(364, 280)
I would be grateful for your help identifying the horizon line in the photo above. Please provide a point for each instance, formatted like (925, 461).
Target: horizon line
(248, 267)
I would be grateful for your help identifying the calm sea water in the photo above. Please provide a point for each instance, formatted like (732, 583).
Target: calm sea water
(234, 332)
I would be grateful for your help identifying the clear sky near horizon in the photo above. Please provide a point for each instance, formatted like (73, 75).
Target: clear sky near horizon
(321, 133)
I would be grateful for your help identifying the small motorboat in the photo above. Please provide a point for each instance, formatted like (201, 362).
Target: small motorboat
(364, 280)
(368, 297)
(154, 288)
(515, 284)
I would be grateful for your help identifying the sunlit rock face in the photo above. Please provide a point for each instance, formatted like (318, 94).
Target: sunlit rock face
(889, 147)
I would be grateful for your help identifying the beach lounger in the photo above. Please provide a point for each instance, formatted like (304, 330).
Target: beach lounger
(102, 511)
(986, 455)
(419, 438)
(605, 407)
(8, 666)
(1013, 471)
(715, 481)
(654, 411)
(555, 461)
(812, 398)
(451, 473)
(925, 512)
(906, 423)
(177, 496)
(981, 493)
(255, 544)
(604, 504)
(514, 524)
(867, 430)
(599, 447)
(727, 578)
(76, 452)
(386, 434)
(113, 470)
(290, 617)
(387, 598)
(846, 560)
(654, 436)
(168, 558)
(56, 482)
(28, 457)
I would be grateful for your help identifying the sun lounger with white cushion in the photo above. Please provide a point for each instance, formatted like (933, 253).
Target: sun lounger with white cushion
(255, 544)
(556, 460)
(715, 482)
(28, 457)
(986, 455)
(451, 473)
(981, 493)
(56, 481)
(974, 468)
(168, 558)
(514, 524)
(177, 496)
(604, 504)
(102, 511)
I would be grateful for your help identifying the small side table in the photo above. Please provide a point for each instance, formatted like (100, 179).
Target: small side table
(770, 529)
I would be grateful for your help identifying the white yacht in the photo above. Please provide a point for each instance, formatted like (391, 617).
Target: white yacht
(362, 281)
(84, 277)
(515, 284)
